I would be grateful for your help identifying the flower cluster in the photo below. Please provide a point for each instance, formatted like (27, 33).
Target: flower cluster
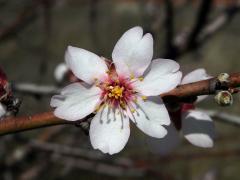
(126, 88)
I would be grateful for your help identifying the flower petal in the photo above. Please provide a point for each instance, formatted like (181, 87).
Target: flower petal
(133, 52)
(57, 100)
(86, 65)
(73, 89)
(149, 116)
(162, 77)
(75, 102)
(194, 76)
(109, 131)
(198, 128)
(165, 145)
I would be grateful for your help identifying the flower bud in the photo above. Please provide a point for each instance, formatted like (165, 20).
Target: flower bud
(60, 72)
(224, 98)
(223, 77)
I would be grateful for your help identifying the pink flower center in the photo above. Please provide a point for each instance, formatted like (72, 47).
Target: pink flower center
(117, 91)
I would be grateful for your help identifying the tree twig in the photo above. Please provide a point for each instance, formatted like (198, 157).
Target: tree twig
(35, 89)
(223, 117)
(201, 21)
(22, 20)
(76, 152)
(205, 87)
(218, 23)
(185, 42)
(102, 168)
(169, 28)
(16, 124)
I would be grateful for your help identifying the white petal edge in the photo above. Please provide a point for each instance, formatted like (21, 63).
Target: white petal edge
(196, 75)
(75, 102)
(163, 76)
(149, 116)
(84, 64)
(198, 128)
(109, 131)
(133, 52)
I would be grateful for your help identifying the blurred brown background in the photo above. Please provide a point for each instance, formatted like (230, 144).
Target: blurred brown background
(33, 37)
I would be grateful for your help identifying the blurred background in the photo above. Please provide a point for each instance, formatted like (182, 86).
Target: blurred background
(34, 35)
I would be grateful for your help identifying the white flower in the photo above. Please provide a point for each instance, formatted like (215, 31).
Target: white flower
(128, 89)
(197, 126)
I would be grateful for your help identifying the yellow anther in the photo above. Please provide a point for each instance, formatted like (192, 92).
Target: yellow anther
(115, 91)
(144, 98)
(132, 76)
(133, 110)
(140, 78)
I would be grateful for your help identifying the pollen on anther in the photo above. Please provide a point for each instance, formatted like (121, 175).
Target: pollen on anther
(133, 110)
(132, 76)
(144, 98)
(140, 78)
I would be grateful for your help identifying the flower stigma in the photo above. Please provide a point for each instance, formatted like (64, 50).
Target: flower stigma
(118, 92)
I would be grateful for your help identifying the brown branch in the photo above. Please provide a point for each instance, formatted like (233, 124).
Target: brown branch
(223, 117)
(26, 17)
(220, 22)
(22, 20)
(201, 20)
(169, 24)
(101, 168)
(76, 152)
(180, 93)
(35, 89)
(205, 87)
(16, 124)
(189, 41)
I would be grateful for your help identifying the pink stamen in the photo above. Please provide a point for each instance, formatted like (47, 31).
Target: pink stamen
(117, 91)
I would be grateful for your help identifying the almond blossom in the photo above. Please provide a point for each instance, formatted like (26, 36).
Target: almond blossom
(196, 126)
(126, 88)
